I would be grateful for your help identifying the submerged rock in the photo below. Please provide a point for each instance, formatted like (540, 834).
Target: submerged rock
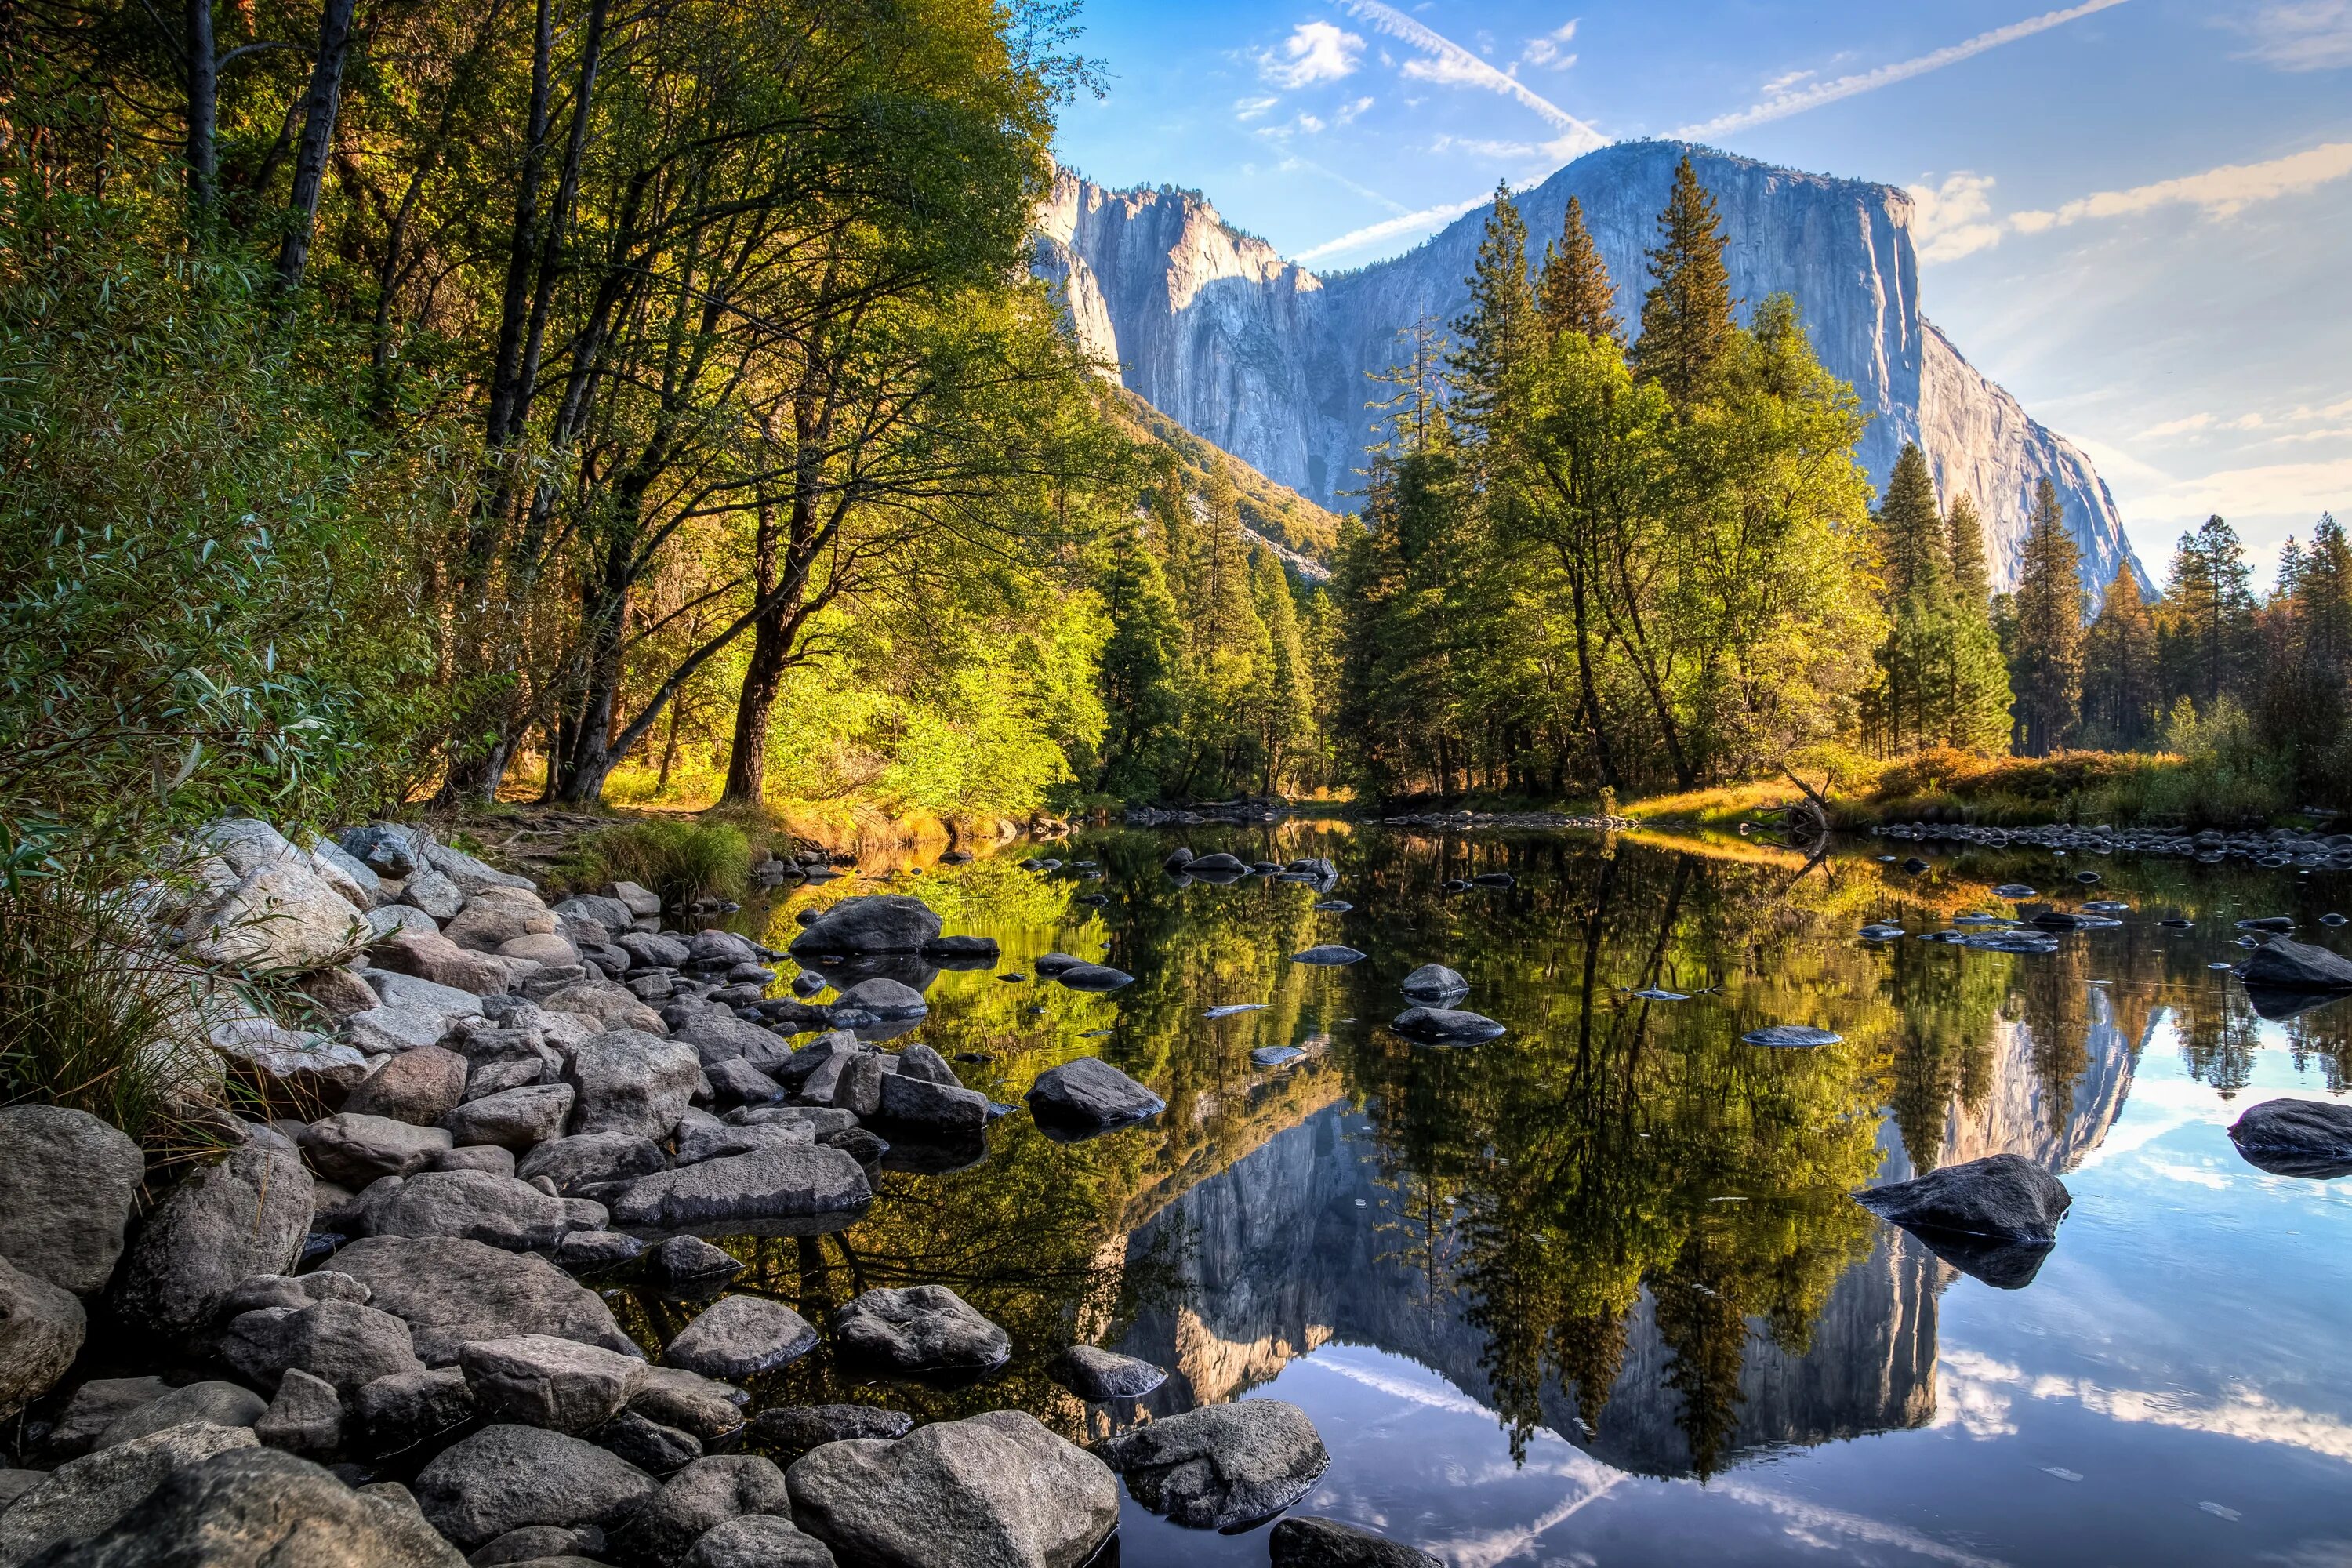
(1328, 1544)
(1222, 1464)
(1092, 1373)
(924, 1329)
(1329, 952)
(2311, 1137)
(1434, 981)
(1785, 1036)
(794, 1430)
(1093, 977)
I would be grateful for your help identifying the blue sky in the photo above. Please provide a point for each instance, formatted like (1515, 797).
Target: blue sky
(2137, 214)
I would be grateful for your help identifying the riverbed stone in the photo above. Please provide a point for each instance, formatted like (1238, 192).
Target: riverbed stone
(2309, 1138)
(607, 1006)
(2002, 1197)
(293, 1290)
(401, 1411)
(708, 1409)
(631, 1081)
(352, 1149)
(757, 1540)
(2285, 964)
(646, 1442)
(1094, 977)
(741, 1336)
(703, 1495)
(418, 1087)
(1090, 1093)
(884, 998)
(506, 1477)
(1222, 1464)
(812, 1187)
(701, 1141)
(1328, 954)
(451, 1292)
(587, 1158)
(432, 955)
(943, 1110)
(923, 1328)
(1093, 1374)
(476, 1204)
(996, 1490)
(221, 1225)
(515, 1119)
(342, 1342)
(1310, 1542)
(305, 1418)
(85, 1497)
(878, 922)
(735, 1081)
(536, 1542)
(1790, 1036)
(1434, 981)
(66, 1191)
(41, 1331)
(539, 1379)
(222, 1403)
(280, 916)
(1445, 1027)
(93, 1407)
(495, 917)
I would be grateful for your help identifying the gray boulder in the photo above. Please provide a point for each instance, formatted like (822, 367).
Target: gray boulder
(294, 1290)
(944, 1111)
(470, 875)
(710, 1410)
(280, 916)
(1434, 983)
(880, 922)
(576, 1163)
(1095, 977)
(395, 1029)
(397, 990)
(428, 890)
(504, 1478)
(399, 1411)
(614, 915)
(2283, 965)
(741, 1336)
(305, 1418)
(85, 1497)
(1222, 1464)
(220, 1226)
(767, 1192)
(340, 1342)
(418, 1087)
(884, 998)
(539, 1380)
(793, 1431)
(1329, 953)
(516, 1119)
(702, 1496)
(486, 1157)
(715, 1140)
(94, 1407)
(283, 1063)
(352, 1149)
(221, 1403)
(996, 1490)
(387, 848)
(2309, 1138)
(1328, 1544)
(924, 1329)
(1444, 1026)
(608, 1007)
(735, 1081)
(41, 1330)
(631, 1081)
(476, 1204)
(2004, 1197)
(452, 1293)
(433, 956)
(757, 1540)
(534, 1542)
(1090, 1093)
(1092, 1373)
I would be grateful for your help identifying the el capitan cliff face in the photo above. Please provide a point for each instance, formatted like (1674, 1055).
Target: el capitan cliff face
(1269, 360)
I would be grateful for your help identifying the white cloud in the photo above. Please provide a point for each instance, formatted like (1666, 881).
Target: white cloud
(2302, 35)
(1785, 81)
(1315, 51)
(1426, 219)
(1551, 50)
(1951, 220)
(1349, 112)
(1253, 108)
(1445, 61)
(1796, 100)
(2221, 193)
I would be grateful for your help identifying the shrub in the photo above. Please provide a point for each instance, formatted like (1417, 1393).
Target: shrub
(682, 861)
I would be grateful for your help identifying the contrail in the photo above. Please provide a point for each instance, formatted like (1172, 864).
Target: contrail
(1456, 63)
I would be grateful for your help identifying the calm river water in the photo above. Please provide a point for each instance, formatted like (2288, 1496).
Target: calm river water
(1594, 1293)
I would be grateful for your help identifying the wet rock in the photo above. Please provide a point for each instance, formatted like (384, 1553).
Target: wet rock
(930, 1108)
(534, 1542)
(757, 1540)
(690, 1267)
(342, 1342)
(1178, 859)
(2309, 1137)
(705, 1408)
(505, 1477)
(418, 1087)
(741, 1336)
(924, 1329)
(962, 951)
(631, 1081)
(1329, 953)
(595, 1251)
(918, 1061)
(647, 1444)
(2012, 891)
(1995, 1218)
(1056, 964)
(1218, 864)
(1445, 1027)
(1222, 1464)
(353, 1150)
(66, 1192)
(221, 1403)
(222, 1225)
(1434, 981)
(474, 1204)
(793, 1431)
(578, 1163)
(1328, 1544)
(1787, 1037)
(452, 1293)
(700, 1498)
(399, 1411)
(768, 1188)
(539, 1380)
(884, 998)
(1092, 1373)
(2283, 965)
(1094, 977)
(996, 1490)
(880, 922)
(1090, 1093)
(85, 1497)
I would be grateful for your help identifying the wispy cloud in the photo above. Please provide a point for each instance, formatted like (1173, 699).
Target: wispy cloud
(2302, 35)
(2221, 193)
(1550, 51)
(1443, 60)
(1797, 100)
(1315, 51)
(1253, 108)
(1419, 221)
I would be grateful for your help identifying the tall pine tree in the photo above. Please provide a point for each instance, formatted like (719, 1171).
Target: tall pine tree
(1687, 323)
(1499, 327)
(1141, 672)
(2046, 660)
(1575, 294)
(1971, 576)
(2121, 682)
(2209, 615)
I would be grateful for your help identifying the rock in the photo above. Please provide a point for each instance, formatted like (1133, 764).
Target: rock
(934, 1110)
(769, 1191)
(1435, 981)
(643, 903)
(399, 1411)
(396, 1029)
(287, 1064)
(631, 1081)
(222, 1225)
(306, 1418)
(492, 919)
(66, 1192)
(700, 1498)
(1090, 1093)
(471, 876)
(576, 1163)
(487, 1157)
(539, 1380)
(1995, 1218)
(1217, 864)
(436, 895)
(1326, 1544)
(718, 1036)
(690, 1267)
(884, 998)
(548, 949)
(1094, 977)
(608, 1006)
(433, 956)
(1222, 1464)
(94, 1407)
(2283, 965)
(793, 1431)
(595, 1252)
(2310, 1138)
(736, 1082)
(881, 922)
(924, 1329)
(352, 1149)
(340, 1342)
(294, 1290)
(418, 1087)
(391, 919)
(41, 1331)
(85, 1497)
(516, 1119)
(1445, 1027)
(476, 1204)
(1329, 952)
(338, 992)
(397, 990)
(534, 1542)
(1092, 1373)
(504, 1478)
(452, 1293)
(652, 949)
(647, 1444)
(278, 916)
(1787, 1037)
(612, 916)
(221, 1403)
(701, 1405)
(996, 1490)
(757, 1540)
(386, 849)
(699, 1141)
(741, 1336)
(2014, 891)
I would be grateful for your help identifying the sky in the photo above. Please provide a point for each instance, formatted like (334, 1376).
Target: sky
(2135, 214)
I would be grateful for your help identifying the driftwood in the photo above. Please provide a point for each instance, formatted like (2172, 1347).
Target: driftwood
(1805, 821)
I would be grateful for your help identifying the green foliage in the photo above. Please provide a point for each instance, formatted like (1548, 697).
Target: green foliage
(2046, 658)
(1941, 678)
(1686, 325)
(681, 861)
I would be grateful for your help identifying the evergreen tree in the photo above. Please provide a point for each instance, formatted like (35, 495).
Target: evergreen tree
(1971, 576)
(2046, 659)
(1140, 672)
(1285, 704)
(2121, 686)
(1574, 294)
(1941, 678)
(1686, 321)
(1498, 329)
(2208, 604)
(1911, 539)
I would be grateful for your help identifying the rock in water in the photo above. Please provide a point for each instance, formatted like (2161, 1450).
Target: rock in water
(924, 1329)
(795, 1430)
(996, 1490)
(2012, 890)
(1094, 977)
(1434, 981)
(787, 1190)
(539, 1380)
(220, 1226)
(741, 1336)
(1328, 1544)
(1995, 1218)
(504, 1478)
(1790, 1036)
(66, 1191)
(1092, 1373)
(1222, 1464)
(1445, 1027)
(702, 1496)
(2311, 1137)
(880, 922)
(2283, 965)
(1329, 952)
(1090, 1093)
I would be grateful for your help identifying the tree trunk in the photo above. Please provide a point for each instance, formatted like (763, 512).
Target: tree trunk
(204, 111)
(325, 93)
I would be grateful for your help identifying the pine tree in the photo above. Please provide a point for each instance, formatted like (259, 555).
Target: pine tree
(2209, 603)
(2120, 678)
(1971, 577)
(1286, 700)
(1686, 322)
(1911, 542)
(2046, 661)
(1574, 294)
(1496, 332)
(1140, 672)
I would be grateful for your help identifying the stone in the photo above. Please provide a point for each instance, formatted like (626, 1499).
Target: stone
(395, 1029)
(1092, 1373)
(398, 990)
(491, 919)
(85, 1497)
(306, 1418)
(470, 875)
(884, 999)
(433, 956)
(702, 1496)
(631, 1081)
(399, 1411)
(337, 992)
(2003, 1198)
(708, 1409)
(280, 916)
(293, 1290)
(1094, 977)
(391, 919)
(595, 1252)
(221, 1403)
(452, 1293)
(387, 848)
(342, 1342)
(1445, 1027)
(757, 1541)
(1309, 1543)
(647, 1444)
(607, 1006)
(352, 1149)
(487, 1157)
(794, 1430)
(918, 1061)
(698, 1142)
(1217, 863)
(287, 1065)
(741, 1336)
(436, 895)
(535, 1541)
(549, 949)
(996, 1490)
(1790, 1036)
(736, 1082)
(690, 1267)
(94, 1407)
(1222, 1464)
(719, 1036)
(539, 1380)
(418, 1087)
(41, 1331)
(516, 1119)
(504, 1478)
(2014, 891)
(880, 922)
(66, 1191)
(1329, 953)
(936, 1109)
(2309, 1138)
(768, 1188)
(2285, 964)
(643, 903)
(1434, 981)
(578, 1163)
(652, 949)
(923, 1328)
(222, 1225)
(476, 1204)
(1089, 1092)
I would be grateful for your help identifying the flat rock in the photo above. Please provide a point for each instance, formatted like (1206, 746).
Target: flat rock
(933, 1109)
(577, 1163)
(1311, 1543)
(702, 1496)
(631, 1081)
(1327, 953)
(222, 1225)
(708, 1409)
(1445, 1027)
(757, 1540)
(884, 998)
(516, 1118)
(923, 1328)
(793, 1431)
(85, 1497)
(539, 1380)
(506, 1477)
(221, 1403)
(766, 1189)
(2285, 964)
(353, 1150)
(1094, 977)
(451, 1292)
(1790, 1036)
(478, 1205)
(340, 1342)
(741, 1336)
(1222, 1464)
(1090, 1093)
(2310, 1138)
(690, 1267)
(716, 1141)
(1093, 1374)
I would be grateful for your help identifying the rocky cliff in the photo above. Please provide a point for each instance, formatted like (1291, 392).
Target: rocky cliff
(1269, 360)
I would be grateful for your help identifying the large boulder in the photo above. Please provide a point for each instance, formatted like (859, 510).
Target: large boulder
(539, 1379)
(575, 1164)
(2310, 1138)
(479, 1205)
(1090, 1093)
(1434, 983)
(452, 1293)
(496, 916)
(352, 1149)
(631, 1081)
(924, 1329)
(879, 922)
(1326, 1544)
(607, 1006)
(339, 1342)
(470, 875)
(1995, 1218)
(287, 1064)
(66, 1191)
(702, 1496)
(938, 1111)
(1222, 1464)
(417, 1087)
(504, 1478)
(432, 956)
(387, 848)
(41, 1330)
(1444, 1026)
(996, 1490)
(222, 1225)
(280, 916)
(1101, 1375)
(741, 1336)
(85, 1497)
(774, 1190)
(2283, 965)
(399, 1411)
(250, 1507)
(221, 1403)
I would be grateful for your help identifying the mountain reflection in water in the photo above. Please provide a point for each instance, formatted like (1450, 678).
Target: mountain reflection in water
(1617, 1240)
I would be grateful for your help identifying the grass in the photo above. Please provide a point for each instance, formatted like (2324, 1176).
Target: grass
(682, 861)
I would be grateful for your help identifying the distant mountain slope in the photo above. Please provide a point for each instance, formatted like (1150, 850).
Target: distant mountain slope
(1303, 534)
(1269, 360)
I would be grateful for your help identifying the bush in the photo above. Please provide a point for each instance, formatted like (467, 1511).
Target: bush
(682, 861)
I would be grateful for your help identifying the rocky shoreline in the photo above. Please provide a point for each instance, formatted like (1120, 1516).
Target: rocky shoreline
(391, 1272)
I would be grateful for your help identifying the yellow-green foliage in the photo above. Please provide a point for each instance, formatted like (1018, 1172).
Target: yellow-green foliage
(682, 861)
